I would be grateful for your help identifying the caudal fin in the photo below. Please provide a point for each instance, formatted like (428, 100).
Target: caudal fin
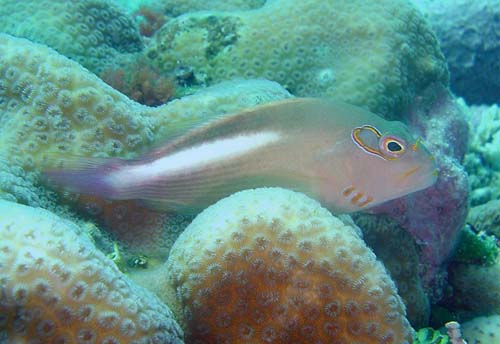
(84, 175)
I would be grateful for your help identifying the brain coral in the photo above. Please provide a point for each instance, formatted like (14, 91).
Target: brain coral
(482, 330)
(57, 288)
(272, 265)
(372, 53)
(469, 33)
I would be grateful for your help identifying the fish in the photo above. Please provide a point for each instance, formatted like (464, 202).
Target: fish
(342, 155)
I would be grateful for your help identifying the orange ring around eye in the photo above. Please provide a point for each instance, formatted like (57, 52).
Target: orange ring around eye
(384, 146)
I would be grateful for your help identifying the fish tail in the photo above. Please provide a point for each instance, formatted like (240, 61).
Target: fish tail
(91, 176)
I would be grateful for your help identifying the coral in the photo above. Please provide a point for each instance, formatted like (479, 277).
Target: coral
(272, 265)
(475, 248)
(91, 32)
(140, 82)
(50, 106)
(430, 336)
(475, 288)
(56, 287)
(482, 330)
(483, 159)
(398, 252)
(375, 54)
(486, 217)
(435, 216)
(468, 32)
(175, 8)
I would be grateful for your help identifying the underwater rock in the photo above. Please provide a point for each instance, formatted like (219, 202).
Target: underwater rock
(57, 287)
(469, 35)
(273, 265)
(374, 54)
(482, 330)
(91, 32)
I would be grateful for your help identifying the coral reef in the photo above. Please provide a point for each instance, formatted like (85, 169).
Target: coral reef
(468, 32)
(272, 265)
(57, 287)
(395, 247)
(482, 330)
(92, 32)
(51, 106)
(375, 54)
(436, 216)
(482, 162)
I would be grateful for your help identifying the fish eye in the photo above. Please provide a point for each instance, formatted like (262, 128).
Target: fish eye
(392, 147)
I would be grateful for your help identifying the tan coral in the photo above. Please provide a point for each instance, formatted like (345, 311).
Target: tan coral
(91, 32)
(482, 330)
(378, 54)
(57, 288)
(272, 265)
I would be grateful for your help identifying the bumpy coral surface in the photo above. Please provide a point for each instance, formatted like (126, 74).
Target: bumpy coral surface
(397, 250)
(92, 32)
(51, 104)
(469, 35)
(483, 159)
(476, 288)
(482, 330)
(271, 265)
(175, 8)
(486, 217)
(57, 288)
(373, 53)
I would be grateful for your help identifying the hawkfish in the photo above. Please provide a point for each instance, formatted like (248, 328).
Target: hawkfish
(346, 157)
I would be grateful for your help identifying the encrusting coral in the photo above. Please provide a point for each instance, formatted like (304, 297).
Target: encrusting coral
(92, 32)
(482, 330)
(272, 265)
(395, 248)
(58, 288)
(377, 54)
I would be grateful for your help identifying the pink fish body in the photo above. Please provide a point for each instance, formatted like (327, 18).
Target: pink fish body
(344, 156)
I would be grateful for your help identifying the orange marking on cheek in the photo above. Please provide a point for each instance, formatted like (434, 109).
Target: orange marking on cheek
(347, 191)
(356, 197)
(369, 199)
